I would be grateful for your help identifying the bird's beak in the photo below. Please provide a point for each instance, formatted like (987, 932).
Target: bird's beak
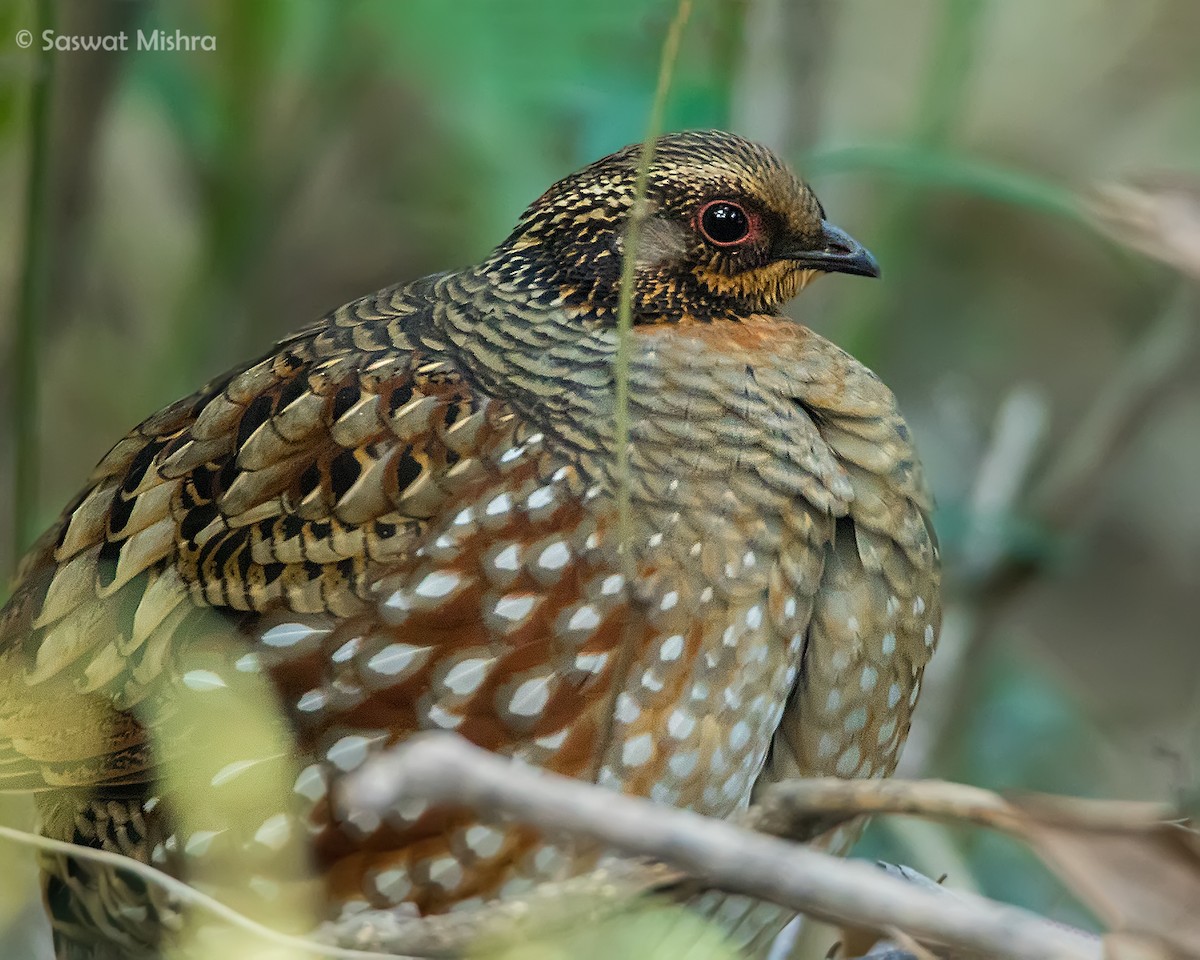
(835, 252)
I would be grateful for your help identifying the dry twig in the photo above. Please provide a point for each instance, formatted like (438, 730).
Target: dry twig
(443, 768)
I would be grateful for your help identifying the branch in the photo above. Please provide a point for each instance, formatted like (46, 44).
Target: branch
(445, 769)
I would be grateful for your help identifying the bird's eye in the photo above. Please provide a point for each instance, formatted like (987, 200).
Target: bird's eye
(724, 223)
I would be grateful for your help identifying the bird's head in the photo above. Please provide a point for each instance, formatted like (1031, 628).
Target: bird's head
(727, 230)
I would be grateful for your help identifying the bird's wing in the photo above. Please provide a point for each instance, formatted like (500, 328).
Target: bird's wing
(877, 612)
(280, 490)
(394, 548)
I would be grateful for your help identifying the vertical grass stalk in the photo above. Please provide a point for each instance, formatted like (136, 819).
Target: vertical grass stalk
(666, 68)
(31, 307)
(621, 363)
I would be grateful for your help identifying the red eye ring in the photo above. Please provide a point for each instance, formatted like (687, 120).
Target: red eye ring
(724, 223)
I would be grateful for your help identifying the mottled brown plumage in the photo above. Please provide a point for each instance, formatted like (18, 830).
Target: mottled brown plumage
(404, 518)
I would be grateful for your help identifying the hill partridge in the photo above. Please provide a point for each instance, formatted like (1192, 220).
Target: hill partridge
(404, 517)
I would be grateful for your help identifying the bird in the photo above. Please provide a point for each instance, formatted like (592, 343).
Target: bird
(414, 515)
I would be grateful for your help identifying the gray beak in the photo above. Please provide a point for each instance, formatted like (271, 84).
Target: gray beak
(837, 252)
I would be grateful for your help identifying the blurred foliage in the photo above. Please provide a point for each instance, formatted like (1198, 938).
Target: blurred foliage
(659, 932)
(203, 204)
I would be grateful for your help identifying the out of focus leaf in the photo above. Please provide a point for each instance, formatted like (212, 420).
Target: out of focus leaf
(1142, 877)
(1158, 216)
(649, 933)
(948, 172)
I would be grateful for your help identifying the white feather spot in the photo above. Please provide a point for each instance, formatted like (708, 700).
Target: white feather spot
(446, 872)
(591, 662)
(664, 794)
(627, 708)
(393, 884)
(681, 724)
(672, 648)
(870, 676)
(734, 785)
(483, 841)
(198, 843)
(889, 644)
(274, 832)
(613, 584)
(443, 718)
(465, 676)
(498, 506)
(638, 750)
(508, 559)
(585, 617)
(849, 760)
(515, 607)
(548, 860)
(437, 584)
(247, 663)
(552, 741)
(396, 658)
(530, 698)
(202, 681)
(855, 720)
(289, 634)
(349, 752)
(310, 782)
(230, 771)
(556, 556)
(683, 763)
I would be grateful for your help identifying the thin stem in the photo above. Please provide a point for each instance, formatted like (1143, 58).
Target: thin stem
(187, 894)
(31, 309)
(670, 53)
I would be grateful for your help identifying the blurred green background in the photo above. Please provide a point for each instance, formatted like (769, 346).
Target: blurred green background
(200, 205)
